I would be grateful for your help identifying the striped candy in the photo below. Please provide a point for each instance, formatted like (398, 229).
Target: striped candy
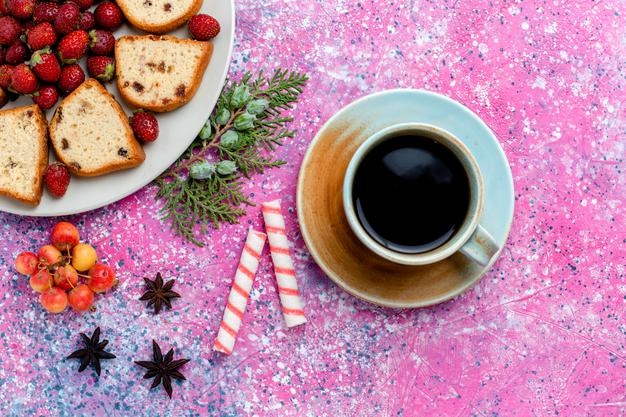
(239, 293)
(283, 265)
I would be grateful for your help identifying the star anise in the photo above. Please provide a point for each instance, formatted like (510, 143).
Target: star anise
(159, 294)
(92, 352)
(162, 368)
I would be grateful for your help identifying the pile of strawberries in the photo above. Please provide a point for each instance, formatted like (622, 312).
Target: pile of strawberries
(41, 42)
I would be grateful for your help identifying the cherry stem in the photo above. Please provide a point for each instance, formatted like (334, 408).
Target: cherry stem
(70, 282)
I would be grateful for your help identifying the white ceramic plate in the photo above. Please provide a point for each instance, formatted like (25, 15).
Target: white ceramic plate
(177, 130)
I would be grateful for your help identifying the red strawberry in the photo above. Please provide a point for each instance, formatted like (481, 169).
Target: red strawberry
(46, 97)
(10, 30)
(5, 75)
(68, 18)
(108, 15)
(203, 27)
(101, 67)
(17, 53)
(46, 66)
(71, 77)
(84, 4)
(57, 178)
(21, 9)
(87, 21)
(45, 12)
(41, 36)
(145, 126)
(73, 46)
(4, 8)
(102, 42)
(23, 81)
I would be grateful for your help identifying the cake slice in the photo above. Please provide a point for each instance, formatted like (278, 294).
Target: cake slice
(158, 16)
(90, 133)
(160, 73)
(23, 153)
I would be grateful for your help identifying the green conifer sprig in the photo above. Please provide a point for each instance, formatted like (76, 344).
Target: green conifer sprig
(204, 186)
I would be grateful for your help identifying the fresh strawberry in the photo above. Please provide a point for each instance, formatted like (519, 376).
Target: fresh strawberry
(71, 77)
(87, 21)
(57, 179)
(4, 8)
(108, 15)
(46, 97)
(21, 9)
(73, 46)
(68, 18)
(41, 36)
(23, 80)
(46, 66)
(101, 67)
(10, 30)
(203, 27)
(17, 53)
(5, 75)
(102, 42)
(145, 126)
(84, 4)
(45, 12)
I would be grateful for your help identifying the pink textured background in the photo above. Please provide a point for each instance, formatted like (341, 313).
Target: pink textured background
(542, 334)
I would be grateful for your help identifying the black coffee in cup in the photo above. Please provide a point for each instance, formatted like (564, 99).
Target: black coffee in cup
(411, 193)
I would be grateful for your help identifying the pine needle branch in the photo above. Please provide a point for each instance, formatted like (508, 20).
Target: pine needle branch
(203, 188)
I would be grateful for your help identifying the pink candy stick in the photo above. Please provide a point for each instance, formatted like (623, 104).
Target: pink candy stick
(239, 292)
(283, 264)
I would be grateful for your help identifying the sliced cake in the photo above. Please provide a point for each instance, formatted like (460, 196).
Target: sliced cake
(160, 73)
(23, 153)
(158, 16)
(90, 133)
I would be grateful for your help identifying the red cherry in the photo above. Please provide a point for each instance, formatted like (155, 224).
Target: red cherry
(26, 263)
(81, 298)
(66, 277)
(54, 300)
(49, 254)
(41, 281)
(64, 236)
(101, 278)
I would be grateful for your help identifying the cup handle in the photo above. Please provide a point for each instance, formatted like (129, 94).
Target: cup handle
(480, 247)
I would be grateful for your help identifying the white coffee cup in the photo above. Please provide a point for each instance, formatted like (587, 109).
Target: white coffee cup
(471, 238)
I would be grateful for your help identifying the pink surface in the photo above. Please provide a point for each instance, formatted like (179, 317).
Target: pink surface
(543, 333)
